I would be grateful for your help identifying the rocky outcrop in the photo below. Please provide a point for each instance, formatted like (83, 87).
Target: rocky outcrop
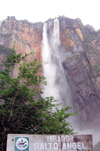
(28, 37)
(81, 66)
(80, 53)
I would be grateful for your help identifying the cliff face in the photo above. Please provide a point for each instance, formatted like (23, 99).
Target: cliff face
(80, 48)
(27, 36)
(82, 67)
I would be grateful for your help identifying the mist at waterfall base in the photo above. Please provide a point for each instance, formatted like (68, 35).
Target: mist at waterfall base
(57, 85)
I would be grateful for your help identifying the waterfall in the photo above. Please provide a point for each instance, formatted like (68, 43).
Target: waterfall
(57, 85)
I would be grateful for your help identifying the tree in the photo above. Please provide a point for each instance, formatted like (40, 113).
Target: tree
(23, 110)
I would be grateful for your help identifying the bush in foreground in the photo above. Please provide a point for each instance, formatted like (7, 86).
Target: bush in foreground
(23, 110)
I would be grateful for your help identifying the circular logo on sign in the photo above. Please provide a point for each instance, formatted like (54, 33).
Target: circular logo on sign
(21, 143)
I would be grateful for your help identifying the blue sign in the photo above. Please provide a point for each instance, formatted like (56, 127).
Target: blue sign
(21, 143)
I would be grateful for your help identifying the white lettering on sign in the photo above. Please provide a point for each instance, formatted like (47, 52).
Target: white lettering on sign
(79, 145)
(68, 138)
(51, 142)
(55, 146)
(45, 146)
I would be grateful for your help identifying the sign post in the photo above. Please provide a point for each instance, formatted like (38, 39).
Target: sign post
(29, 142)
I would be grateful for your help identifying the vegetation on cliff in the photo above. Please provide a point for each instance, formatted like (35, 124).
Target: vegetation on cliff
(22, 110)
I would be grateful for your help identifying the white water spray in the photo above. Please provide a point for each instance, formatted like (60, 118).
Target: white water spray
(49, 68)
(57, 85)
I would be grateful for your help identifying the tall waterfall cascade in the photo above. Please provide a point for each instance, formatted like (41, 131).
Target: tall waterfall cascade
(57, 85)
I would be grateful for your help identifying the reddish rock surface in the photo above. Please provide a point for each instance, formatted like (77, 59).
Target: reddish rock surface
(28, 37)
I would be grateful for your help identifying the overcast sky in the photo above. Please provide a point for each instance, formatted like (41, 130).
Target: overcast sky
(41, 10)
